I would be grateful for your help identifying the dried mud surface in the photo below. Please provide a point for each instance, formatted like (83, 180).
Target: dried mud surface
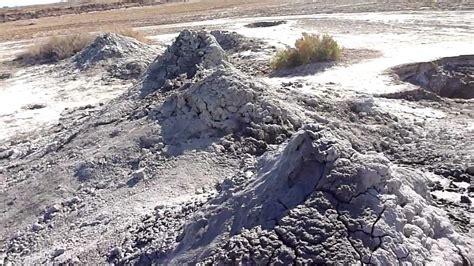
(209, 157)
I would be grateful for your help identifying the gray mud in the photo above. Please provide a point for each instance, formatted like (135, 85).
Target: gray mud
(200, 162)
(122, 57)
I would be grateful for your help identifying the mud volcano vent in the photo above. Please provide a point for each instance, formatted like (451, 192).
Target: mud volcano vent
(451, 77)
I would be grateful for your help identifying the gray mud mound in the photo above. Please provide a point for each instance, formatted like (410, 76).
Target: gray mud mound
(254, 61)
(314, 201)
(189, 54)
(451, 77)
(265, 24)
(199, 129)
(233, 42)
(123, 56)
(227, 102)
(208, 97)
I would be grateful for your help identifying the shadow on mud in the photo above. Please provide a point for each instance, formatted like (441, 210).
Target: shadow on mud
(306, 70)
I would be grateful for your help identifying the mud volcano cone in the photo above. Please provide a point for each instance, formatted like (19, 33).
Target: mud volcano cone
(191, 52)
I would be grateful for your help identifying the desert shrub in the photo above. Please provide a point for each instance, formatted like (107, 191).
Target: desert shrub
(129, 32)
(310, 48)
(55, 48)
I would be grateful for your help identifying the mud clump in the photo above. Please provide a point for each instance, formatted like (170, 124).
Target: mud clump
(5, 75)
(451, 77)
(265, 24)
(124, 57)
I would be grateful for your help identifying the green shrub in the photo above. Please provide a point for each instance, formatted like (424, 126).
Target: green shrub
(55, 48)
(310, 48)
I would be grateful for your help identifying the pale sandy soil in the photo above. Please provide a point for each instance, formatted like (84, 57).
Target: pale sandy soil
(205, 10)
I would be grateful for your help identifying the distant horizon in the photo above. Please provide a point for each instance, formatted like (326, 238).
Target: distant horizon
(14, 3)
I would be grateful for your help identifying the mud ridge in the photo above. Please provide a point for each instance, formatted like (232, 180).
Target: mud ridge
(450, 77)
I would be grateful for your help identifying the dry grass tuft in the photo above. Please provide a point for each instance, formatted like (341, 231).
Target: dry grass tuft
(129, 32)
(310, 48)
(55, 48)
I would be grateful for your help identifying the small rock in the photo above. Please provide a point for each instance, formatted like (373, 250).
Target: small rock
(160, 145)
(116, 253)
(54, 208)
(37, 227)
(75, 261)
(465, 199)
(139, 174)
(6, 154)
(58, 252)
(404, 133)
(5, 75)
(85, 171)
(470, 170)
(73, 201)
(101, 185)
(363, 105)
(150, 141)
(34, 106)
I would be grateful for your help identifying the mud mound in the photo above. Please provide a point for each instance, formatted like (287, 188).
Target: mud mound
(210, 98)
(213, 118)
(265, 24)
(233, 42)
(191, 52)
(122, 56)
(451, 77)
(227, 102)
(228, 40)
(246, 54)
(315, 200)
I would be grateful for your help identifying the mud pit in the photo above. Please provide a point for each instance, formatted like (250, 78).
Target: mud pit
(265, 24)
(204, 161)
(451, 77)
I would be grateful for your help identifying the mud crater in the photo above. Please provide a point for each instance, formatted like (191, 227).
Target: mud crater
(265, 24)
(450, 77)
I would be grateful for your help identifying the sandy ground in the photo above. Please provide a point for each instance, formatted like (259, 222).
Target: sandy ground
(205, 10)
(400, 37)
